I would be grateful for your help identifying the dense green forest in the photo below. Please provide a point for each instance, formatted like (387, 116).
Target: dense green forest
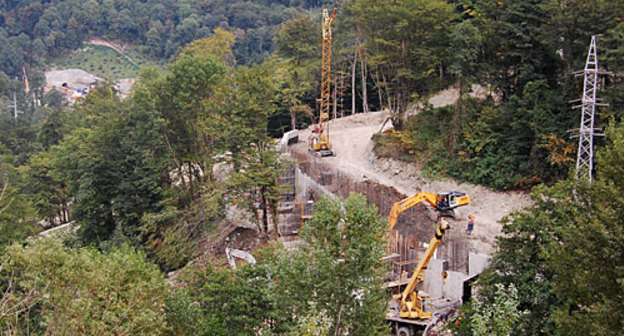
(34, 31)
(141, 176)
(525, 52)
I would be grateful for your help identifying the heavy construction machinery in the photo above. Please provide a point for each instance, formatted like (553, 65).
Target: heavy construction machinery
(442, 203)
(319, 142)
(412, 304)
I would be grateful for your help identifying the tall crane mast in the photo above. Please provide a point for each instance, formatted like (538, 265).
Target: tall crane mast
(25, 78)
(320, 141)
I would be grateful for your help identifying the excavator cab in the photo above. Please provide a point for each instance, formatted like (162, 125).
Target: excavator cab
(449, 201)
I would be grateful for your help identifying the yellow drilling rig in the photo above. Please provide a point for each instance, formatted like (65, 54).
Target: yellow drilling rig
(320, 143)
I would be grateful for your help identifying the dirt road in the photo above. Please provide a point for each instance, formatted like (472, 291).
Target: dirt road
(118, 49)
(353, 148)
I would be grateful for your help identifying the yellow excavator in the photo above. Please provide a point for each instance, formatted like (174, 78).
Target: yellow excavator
(442, 203)
(411, 303)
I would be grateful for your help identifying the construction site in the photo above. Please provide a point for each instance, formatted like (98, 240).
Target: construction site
(460, 257)
(441, 234)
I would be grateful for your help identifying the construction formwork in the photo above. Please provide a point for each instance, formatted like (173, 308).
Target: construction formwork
(296, 203)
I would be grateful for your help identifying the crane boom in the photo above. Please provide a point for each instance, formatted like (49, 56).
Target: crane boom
(321, 141)
(411, 303)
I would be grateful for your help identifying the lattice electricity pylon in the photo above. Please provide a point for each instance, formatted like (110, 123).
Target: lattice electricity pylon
(586, 133)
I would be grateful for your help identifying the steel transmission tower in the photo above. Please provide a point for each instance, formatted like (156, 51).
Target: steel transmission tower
(584, 160)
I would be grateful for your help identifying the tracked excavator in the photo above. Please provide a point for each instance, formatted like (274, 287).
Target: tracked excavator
(410, 308)
(444, 204)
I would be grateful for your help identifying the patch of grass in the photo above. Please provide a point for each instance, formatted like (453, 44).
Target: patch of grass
(105, 62)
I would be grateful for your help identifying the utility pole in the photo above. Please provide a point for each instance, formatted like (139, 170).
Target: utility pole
(14, 106)
(585, 155)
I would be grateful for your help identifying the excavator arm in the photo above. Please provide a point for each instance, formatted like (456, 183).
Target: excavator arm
(407, 203)
(443, 203)
(410, 303)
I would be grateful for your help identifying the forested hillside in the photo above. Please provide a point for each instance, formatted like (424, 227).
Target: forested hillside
(145, 180)
(34, 31)
(526, 53)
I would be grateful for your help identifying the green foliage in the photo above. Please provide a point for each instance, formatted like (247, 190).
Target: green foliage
(111, 164)
(344, 251)
(518, 45)
(407, 41)
(564, 255)
(465, 47)
(331, 285)
(218, 45)
(48, 194)
(592, 300)
(170, 235)
(17, 216)
(182, 96)
(229, 302)
(498, 318)
(84, 291)
(298, 68)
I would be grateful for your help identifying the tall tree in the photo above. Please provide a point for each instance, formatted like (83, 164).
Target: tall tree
(518, 46)
(250, 97)
(346, 249)
(298, 46)
(406, 41)
(17, 216)
(181, 98)
(465, 48)
(113, 167)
